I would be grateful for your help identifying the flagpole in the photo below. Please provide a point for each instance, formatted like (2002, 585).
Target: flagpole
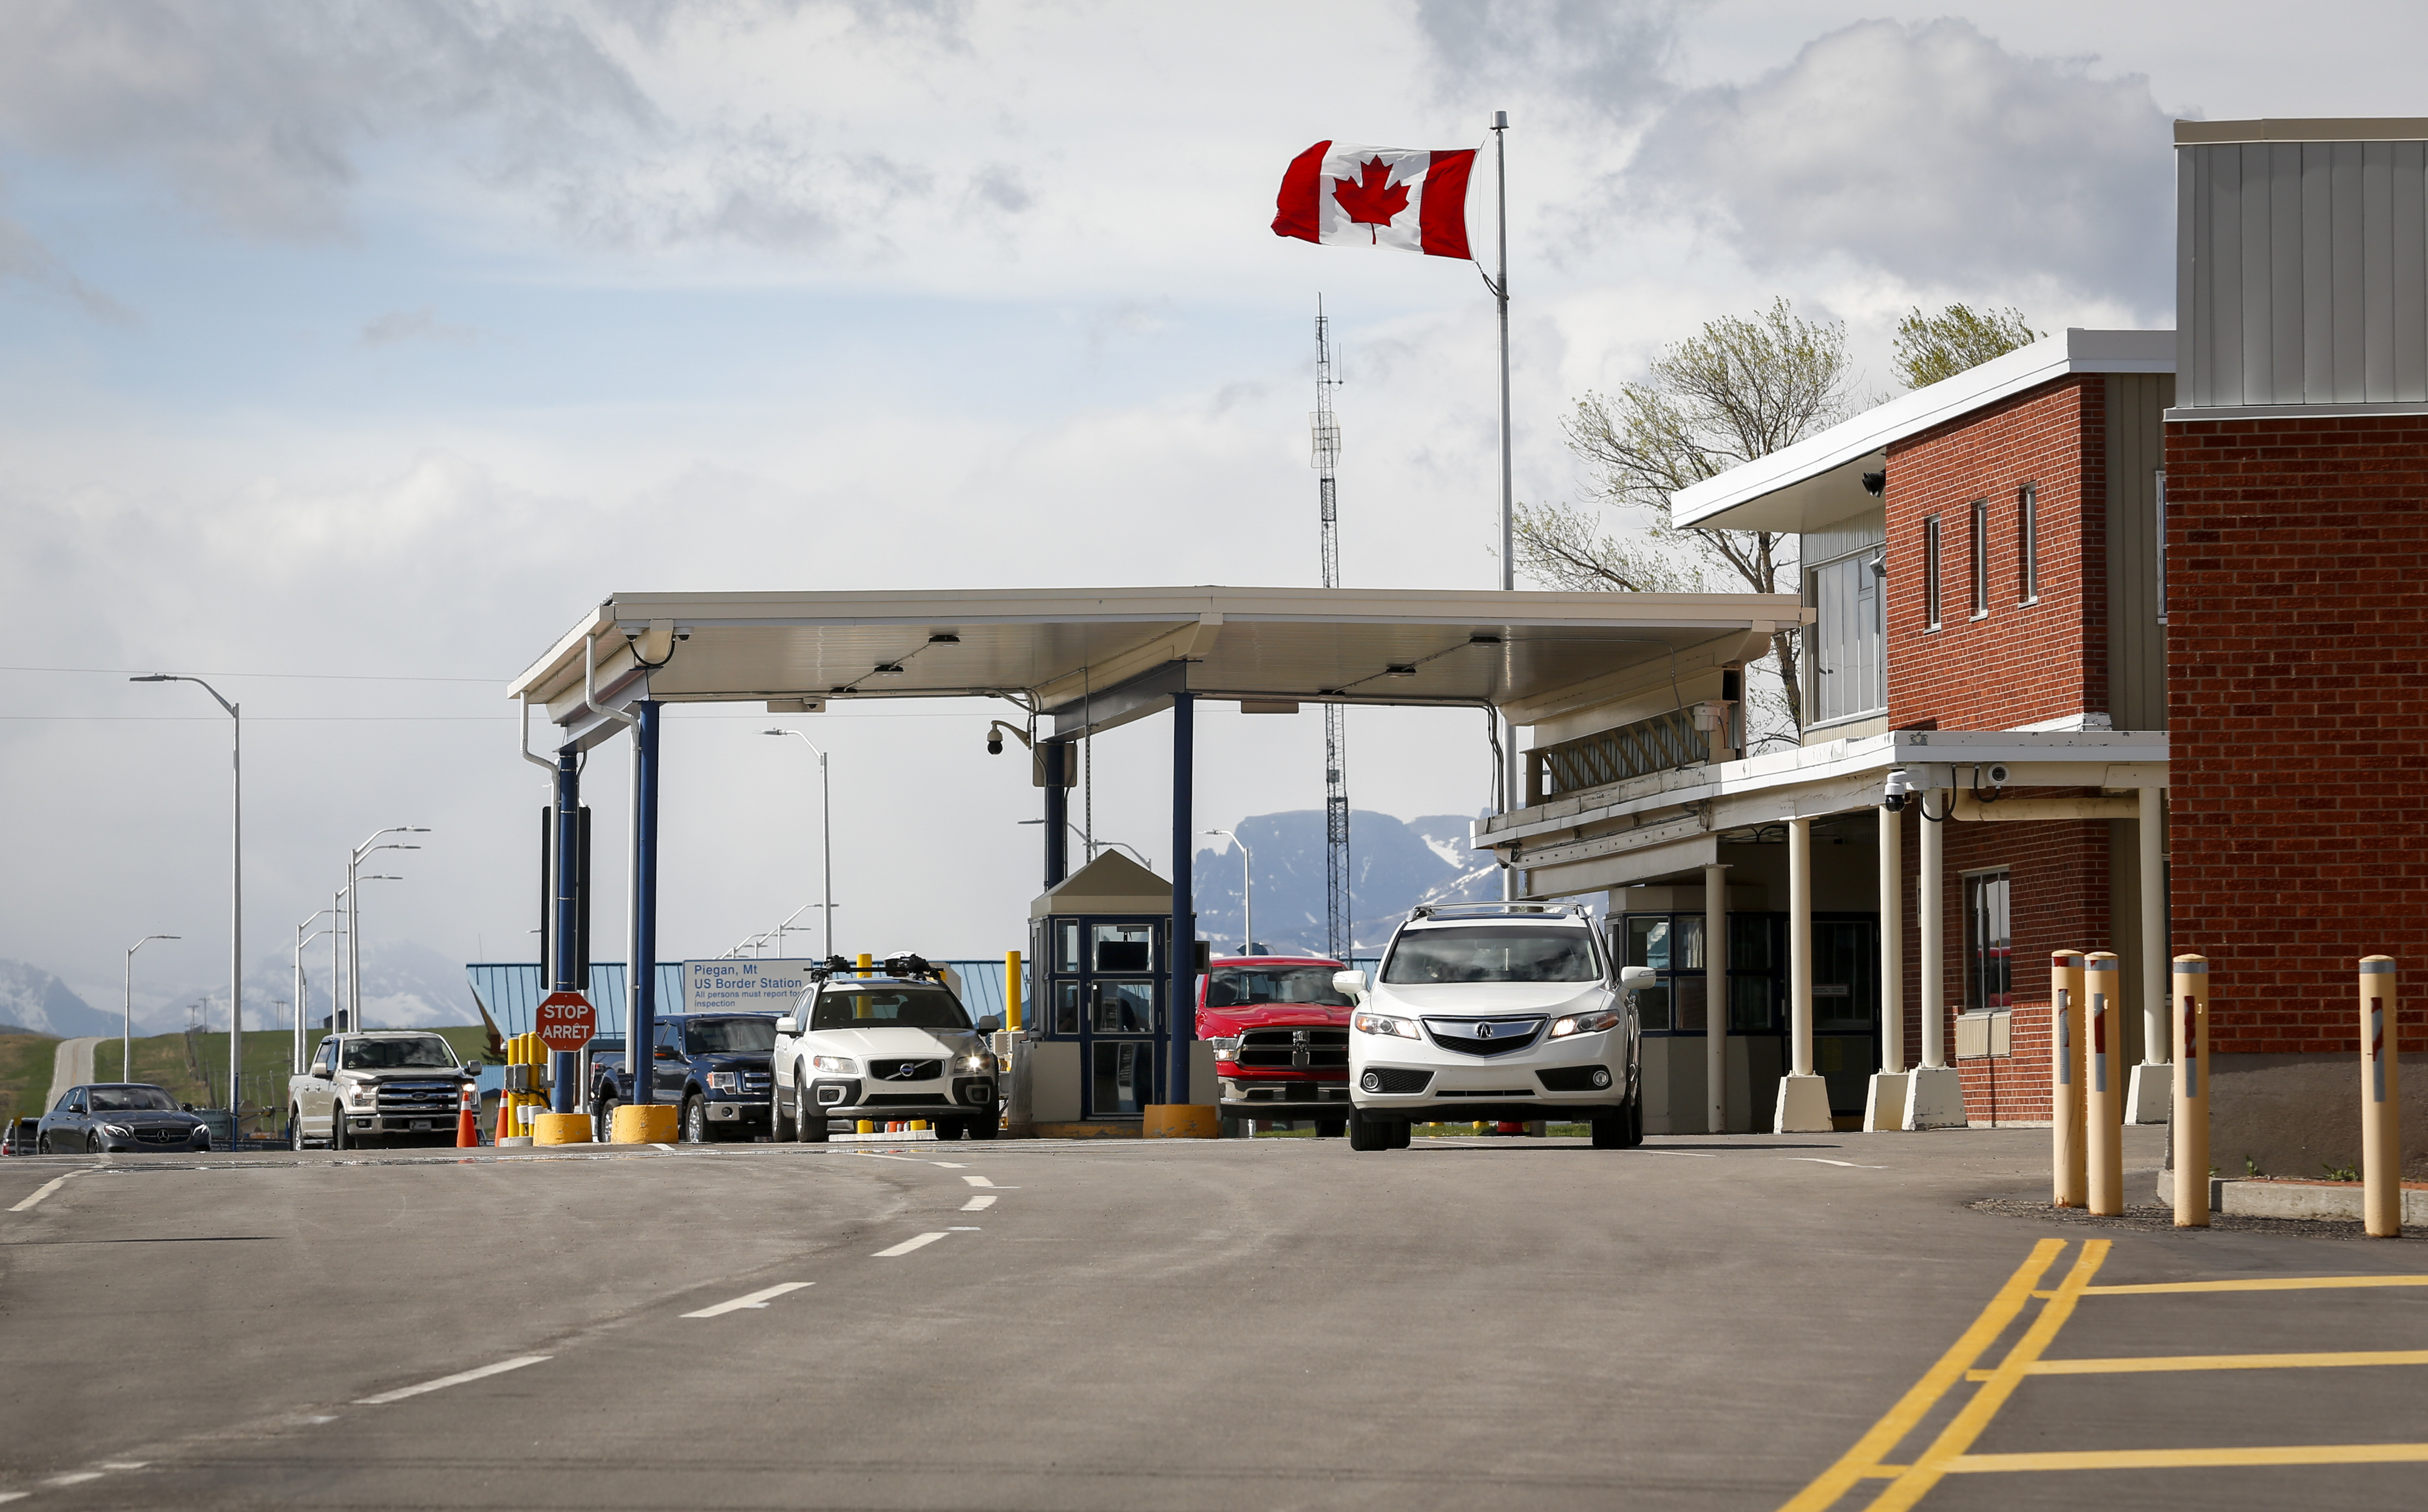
(1509, 800)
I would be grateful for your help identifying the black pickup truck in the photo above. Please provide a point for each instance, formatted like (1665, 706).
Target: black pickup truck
(714, 1066)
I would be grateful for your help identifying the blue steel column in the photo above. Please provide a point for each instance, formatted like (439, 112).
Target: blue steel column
(564, 1064)
(1055, 756)
(1183, 1006)
(644, 1026)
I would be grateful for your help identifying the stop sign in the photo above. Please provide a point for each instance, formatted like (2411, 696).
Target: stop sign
(567, 1021)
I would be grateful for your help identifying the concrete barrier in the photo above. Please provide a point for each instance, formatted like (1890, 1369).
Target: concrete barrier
(2335, 1201)
(643, 1124)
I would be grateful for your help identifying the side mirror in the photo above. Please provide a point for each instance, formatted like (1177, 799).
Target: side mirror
(185, 1108)
(472, 1068)
(1632, 978)
(1351, 983)
(990, 1024)
(788, 1024)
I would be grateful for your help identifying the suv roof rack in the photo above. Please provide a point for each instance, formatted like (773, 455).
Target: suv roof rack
(902, 967)
(1505, 909)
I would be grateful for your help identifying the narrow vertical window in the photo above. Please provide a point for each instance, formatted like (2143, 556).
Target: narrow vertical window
(1980, 557)
(1989, 945)
(2162, 546)
(2028, 543)
(1931, 572)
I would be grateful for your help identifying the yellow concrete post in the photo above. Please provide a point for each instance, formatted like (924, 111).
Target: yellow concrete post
(865, 960)
(2066, 1154)
(2381, 1100)
(1011, 990)
(2103, 1087)
(2190, 1115)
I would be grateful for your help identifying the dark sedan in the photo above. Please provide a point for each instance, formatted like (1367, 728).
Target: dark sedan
(126, 1115)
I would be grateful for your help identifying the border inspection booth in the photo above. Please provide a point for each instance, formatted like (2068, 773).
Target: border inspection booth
(1103, 1021)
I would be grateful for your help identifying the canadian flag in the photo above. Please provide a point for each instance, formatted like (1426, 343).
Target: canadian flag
(1338, 192)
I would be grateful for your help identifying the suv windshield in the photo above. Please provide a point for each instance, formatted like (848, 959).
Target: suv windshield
(863, 1007)
(1238, 986)
(729, 1036)
(423, 1052)
(136, 1099)
(1492, 952)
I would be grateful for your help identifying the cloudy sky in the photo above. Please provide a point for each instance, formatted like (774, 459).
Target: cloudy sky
(348, 350)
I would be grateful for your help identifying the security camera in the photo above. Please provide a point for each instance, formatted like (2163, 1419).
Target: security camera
(1875, 484)
(1997, 774)
(1895, 792)
(995, 743)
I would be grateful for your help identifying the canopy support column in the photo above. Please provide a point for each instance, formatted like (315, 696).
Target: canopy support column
(565, 951)
(1183, 1003)
(1053, 758)
(642, 1033)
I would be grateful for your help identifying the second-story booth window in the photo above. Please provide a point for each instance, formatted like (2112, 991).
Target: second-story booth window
(1847, 667)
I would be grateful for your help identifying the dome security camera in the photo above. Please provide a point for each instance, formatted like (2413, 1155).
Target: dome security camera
(1997, 774)
(1896, 791)
(995, 743)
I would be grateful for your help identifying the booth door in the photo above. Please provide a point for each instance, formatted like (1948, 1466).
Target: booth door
(1119, 993)
(1846, 1007)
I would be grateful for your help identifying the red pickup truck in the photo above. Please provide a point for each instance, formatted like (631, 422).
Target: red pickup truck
(1280, 1032)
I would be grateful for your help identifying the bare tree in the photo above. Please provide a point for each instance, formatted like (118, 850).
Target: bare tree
(1736, 390)
(1931, 347)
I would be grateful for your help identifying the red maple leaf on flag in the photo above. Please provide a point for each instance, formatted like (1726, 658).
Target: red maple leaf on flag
(1374, 200)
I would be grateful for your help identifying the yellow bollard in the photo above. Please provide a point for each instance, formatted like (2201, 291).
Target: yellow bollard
(865, 1125)
(1011, 990)
(2104, 1085)
(2189, 1129)
(2065, 1078)
(864, 961)
(2381, 1100)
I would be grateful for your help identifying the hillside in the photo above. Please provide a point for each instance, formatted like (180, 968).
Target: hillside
(1394, 866)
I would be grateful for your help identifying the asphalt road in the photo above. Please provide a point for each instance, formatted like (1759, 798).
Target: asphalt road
(1468, 1326)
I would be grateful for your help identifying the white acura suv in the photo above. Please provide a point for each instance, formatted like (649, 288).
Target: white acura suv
(1494, 1010)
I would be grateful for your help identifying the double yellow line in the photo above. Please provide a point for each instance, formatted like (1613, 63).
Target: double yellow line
(1948, 1451)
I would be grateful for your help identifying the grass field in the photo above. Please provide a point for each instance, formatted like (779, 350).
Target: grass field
(25, 1062)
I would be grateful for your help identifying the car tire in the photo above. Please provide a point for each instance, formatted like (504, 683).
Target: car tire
(780, 1128)
(987, 1125)
(41, 1145)
(1610, 1131)
(1331, 1128)
(1402, 1132)
(337, 1128)
(1635, 1120)
(694, 1121)
(295, 1128)
(1367, 1133)
(950, 1128)
(810, 1120)
(93, 1144)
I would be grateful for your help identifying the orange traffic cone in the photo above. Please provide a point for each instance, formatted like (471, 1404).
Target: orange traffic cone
(468, 1123)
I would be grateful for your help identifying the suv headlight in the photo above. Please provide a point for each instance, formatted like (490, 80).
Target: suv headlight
(841, 1065)
(1383, 1024)
(978, 1060)
(724, 1081)
(1593, 1023)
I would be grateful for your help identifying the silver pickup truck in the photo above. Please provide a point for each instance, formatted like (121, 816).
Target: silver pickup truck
(378, 1087)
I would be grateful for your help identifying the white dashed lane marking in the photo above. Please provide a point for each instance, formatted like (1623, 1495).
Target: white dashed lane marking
(1848, 1164)
(981, 1181)
(756, 1299)
(978, 1205)
(38, 1194)
(907, 1245)
(499, 1369)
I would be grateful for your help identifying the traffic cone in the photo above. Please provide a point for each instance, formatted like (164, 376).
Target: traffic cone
(467, 1121)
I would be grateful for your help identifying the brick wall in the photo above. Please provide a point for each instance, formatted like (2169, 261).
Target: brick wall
(2297, 660)
(2021, 664)
(2057, 902)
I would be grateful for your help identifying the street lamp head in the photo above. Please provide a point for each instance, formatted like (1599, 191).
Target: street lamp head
(774, 731)
(152, 677)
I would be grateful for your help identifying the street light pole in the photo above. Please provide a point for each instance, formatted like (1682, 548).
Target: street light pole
(301, 997)
(354, 915)
(126, 1045)
(826, 833)
(235, 887)
(1247, 908)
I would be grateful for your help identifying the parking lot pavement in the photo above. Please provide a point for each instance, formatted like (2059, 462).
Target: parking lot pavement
(1469, 1325)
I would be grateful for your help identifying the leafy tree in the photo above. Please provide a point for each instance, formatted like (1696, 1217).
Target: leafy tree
(1736, 390)
(1931, 347)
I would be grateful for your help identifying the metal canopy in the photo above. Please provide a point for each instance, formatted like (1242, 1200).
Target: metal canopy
(1098, 657)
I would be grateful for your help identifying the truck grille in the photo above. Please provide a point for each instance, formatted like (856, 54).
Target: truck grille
(418, 1097)
(905, 1070)
(1294, 1049)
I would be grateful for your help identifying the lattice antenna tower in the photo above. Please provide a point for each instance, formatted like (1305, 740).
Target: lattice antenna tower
(1337, 916)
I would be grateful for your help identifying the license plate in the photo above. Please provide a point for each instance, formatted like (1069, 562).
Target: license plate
(421, 1124)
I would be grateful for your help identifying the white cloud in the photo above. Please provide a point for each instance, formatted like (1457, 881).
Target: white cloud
(414, 325)
(1932, 153)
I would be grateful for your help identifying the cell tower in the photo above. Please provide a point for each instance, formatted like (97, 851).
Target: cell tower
(1337, 914)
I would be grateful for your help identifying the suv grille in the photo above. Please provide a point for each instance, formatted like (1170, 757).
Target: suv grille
(1394, 1079)
(905, 1070)
(1294, 1049)
(1485, 1036)
(899, 1099)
